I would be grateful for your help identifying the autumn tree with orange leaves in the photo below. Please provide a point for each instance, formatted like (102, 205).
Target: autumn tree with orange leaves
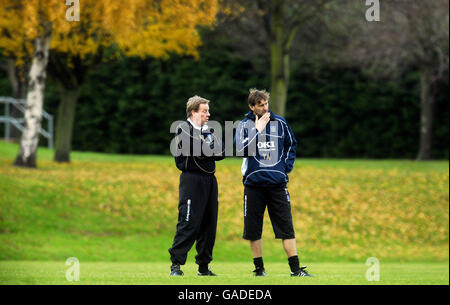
(74, 37)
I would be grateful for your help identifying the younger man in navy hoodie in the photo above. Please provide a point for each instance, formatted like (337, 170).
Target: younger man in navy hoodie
(268, 145)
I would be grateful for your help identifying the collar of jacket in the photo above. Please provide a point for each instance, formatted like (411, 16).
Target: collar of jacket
(203, 129)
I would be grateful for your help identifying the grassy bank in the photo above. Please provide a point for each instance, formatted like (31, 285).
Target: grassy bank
(104, 207)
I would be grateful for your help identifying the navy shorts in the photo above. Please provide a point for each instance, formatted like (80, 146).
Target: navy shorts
(278, 205)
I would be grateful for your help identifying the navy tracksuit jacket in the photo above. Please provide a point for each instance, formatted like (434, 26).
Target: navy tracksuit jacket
(269, 156)
(198, 198)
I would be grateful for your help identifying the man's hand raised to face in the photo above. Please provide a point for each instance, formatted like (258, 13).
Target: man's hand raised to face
(260, 124)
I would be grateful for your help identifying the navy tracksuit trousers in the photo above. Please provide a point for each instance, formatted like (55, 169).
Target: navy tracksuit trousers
(197, 218)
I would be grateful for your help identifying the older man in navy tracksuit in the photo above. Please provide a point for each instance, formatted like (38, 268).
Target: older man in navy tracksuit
(268, 146)
(198, 191)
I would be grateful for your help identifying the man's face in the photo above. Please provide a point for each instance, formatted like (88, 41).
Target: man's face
(260, 108)
(202, 114)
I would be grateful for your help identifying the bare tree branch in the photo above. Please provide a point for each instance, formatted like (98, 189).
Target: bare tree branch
(301, 20)
(264, 15)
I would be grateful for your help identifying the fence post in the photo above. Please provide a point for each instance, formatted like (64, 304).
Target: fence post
(50, 131)
(7, 124)
(21, 106)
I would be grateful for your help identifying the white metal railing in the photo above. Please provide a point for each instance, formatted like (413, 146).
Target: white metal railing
(19, 122)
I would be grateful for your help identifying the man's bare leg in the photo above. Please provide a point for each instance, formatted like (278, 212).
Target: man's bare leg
(256, 246)
(290, 247)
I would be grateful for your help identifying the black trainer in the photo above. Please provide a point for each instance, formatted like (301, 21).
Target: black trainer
(259, 272)
(207, 273)
(301, 272)
(175, 270)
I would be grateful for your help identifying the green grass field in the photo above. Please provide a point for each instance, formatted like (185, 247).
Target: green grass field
(117, 214)
(96, 273)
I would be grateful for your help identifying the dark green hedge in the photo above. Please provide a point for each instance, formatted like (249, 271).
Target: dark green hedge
(127, 106)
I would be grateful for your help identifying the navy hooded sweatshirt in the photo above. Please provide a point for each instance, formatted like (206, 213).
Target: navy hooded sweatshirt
(268, 156)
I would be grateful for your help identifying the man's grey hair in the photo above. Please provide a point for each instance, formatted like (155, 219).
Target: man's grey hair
(193, 104)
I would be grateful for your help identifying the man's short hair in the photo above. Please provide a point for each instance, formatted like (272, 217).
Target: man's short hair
(257, 95)
(194, 103)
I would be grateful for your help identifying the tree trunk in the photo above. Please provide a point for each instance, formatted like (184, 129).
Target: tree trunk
(279, 60)
(18, 84)
(15, 75)
(35, 100)
(426, 116)
(64, 123)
